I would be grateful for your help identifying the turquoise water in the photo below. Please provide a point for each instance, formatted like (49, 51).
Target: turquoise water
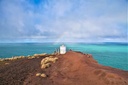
(114, 55)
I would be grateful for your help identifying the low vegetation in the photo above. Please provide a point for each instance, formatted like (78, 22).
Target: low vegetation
(46, 62)
(21, 57)
(38, 74)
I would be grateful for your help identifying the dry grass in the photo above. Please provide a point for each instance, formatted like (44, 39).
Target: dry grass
(43, 75)
(38, 74)
(13, 58)
(45, 63)
(6, 63)
(49, 59)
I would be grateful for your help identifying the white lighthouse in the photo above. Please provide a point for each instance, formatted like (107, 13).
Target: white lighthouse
(62, 49)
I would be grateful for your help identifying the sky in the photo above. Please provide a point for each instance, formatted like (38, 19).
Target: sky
(63, 21)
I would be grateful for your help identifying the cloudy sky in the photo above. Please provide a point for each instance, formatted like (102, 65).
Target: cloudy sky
(63, 20)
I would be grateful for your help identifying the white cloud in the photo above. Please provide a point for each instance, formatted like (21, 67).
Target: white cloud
(64, 20)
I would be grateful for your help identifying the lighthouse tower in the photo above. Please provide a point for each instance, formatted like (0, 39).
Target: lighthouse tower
(62, 49)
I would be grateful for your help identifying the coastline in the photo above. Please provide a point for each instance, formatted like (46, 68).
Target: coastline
(70, 67)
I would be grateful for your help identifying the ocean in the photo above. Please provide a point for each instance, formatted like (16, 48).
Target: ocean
(108, 54)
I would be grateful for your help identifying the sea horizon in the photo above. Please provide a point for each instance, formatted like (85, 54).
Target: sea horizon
(109, 43)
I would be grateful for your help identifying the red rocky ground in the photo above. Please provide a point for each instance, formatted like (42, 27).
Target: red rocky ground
(72, 68)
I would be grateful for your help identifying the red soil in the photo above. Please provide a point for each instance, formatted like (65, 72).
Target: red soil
(72, 68)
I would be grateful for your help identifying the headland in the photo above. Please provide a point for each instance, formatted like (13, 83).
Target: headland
(72, 68)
